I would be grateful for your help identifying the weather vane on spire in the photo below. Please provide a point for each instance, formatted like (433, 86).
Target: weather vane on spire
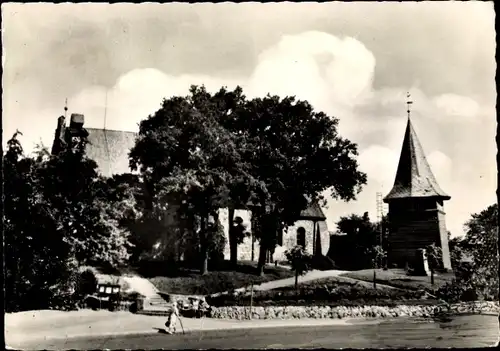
(65, 107)
(408, 103)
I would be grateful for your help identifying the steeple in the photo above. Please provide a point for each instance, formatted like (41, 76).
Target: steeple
(414, 177)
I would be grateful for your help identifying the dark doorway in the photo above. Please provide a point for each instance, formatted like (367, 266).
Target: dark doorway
(301, 237)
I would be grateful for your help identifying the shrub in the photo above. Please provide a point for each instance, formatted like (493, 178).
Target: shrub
(300, 261)
(86, 283)
(470, 285)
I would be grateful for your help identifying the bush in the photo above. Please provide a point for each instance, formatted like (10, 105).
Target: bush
(323, 263)
(86, 283)
(470, 285)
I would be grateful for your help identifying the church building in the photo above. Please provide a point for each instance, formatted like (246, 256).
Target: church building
(416, 206)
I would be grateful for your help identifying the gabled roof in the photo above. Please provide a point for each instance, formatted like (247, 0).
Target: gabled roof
(414, 177)
(110, 149)
(313, 213)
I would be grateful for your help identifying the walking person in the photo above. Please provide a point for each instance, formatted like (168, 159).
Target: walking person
(171, 323)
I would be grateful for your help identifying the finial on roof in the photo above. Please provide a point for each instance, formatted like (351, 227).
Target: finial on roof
(408, 103)
(65, 107)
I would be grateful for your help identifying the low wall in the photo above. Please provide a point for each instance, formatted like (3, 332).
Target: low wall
(297, 312)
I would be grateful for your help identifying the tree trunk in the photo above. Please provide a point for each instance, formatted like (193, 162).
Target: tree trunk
(233, 244)
(296, 280)
(432, 276)
(203, 246)
(253, 246)
(262, 258)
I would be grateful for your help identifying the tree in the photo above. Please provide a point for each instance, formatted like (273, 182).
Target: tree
(377, 255)
(362, 237)
(457, 253)
(58, 215)
(434, 256)
(237, 234)
(475, 260)
(480, 243)
(217, 242)
(186, 156)
(297, 154)
(222, 150)
(300, 262)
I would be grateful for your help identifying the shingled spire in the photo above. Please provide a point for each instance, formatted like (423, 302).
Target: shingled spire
(416, 210)
(414, 177)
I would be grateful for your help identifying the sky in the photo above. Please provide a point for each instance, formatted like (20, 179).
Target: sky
(354, 61)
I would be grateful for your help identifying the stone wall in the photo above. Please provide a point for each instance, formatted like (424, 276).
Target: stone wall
(290, 237)
(298, 312)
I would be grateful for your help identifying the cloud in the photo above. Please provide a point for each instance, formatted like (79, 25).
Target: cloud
(380, 164)
(331, 73)
(441, 166)
(460, 108)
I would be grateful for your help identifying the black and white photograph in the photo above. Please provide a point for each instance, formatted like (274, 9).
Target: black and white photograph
(250, 175)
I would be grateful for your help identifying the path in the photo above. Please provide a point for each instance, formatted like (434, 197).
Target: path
(28, 327)
(463, 332)
(141, 285)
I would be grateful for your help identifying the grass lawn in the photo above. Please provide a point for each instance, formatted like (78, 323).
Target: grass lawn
(322, 282)
(190, 282)
(399, 279)
(332, 291)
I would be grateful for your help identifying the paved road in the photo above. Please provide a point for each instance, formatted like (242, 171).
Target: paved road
(462, 331)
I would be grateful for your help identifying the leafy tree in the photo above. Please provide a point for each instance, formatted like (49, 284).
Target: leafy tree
(237, 234)
(475, 259)
(363, 236)
(457, 252)
(217, 242)
(377, 255)
(297, 154)
(58, 215)
(480, 243)
(299, 260)
(186, 156)
(434, 256)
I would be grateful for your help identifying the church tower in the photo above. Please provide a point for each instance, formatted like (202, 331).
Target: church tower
(416, 212)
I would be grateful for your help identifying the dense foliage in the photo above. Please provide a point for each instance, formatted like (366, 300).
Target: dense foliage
(215, 150)
(58, 214)
(475, 259)
(300, 261)
(359, 244)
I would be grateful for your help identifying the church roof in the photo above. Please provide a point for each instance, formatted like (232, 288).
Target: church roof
(313, 212)
(110, 149)
(414, 177)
